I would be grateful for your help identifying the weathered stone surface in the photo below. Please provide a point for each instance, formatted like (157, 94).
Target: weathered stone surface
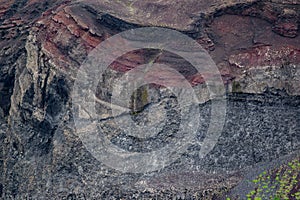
(255, 45)
(287, 23)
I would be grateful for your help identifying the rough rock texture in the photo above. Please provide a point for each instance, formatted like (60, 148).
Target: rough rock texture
(255, 45)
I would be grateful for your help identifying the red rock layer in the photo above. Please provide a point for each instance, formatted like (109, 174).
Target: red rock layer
(255, 35)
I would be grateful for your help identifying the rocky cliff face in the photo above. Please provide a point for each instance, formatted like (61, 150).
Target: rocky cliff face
(255, 45)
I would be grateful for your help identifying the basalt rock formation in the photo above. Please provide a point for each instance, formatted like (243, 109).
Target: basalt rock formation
(255, 45)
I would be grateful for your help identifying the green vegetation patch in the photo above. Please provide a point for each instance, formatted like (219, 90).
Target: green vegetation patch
(282, 183)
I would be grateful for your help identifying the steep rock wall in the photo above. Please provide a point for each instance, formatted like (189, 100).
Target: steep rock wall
(43, 45)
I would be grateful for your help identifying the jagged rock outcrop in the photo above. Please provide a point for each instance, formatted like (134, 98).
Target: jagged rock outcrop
(255, 45)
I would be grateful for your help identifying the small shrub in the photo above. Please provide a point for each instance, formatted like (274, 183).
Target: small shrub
(282, 183)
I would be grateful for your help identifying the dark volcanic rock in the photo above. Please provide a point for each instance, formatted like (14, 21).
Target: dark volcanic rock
(255, 45)
(287, 23)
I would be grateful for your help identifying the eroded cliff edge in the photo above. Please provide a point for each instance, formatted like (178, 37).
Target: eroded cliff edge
(255, 45)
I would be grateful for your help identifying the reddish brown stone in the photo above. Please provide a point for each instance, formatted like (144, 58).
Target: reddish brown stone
(4, 6)
(7, 26)
(287, 23)
(91, 40)
(128, 61)
(266, 56)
